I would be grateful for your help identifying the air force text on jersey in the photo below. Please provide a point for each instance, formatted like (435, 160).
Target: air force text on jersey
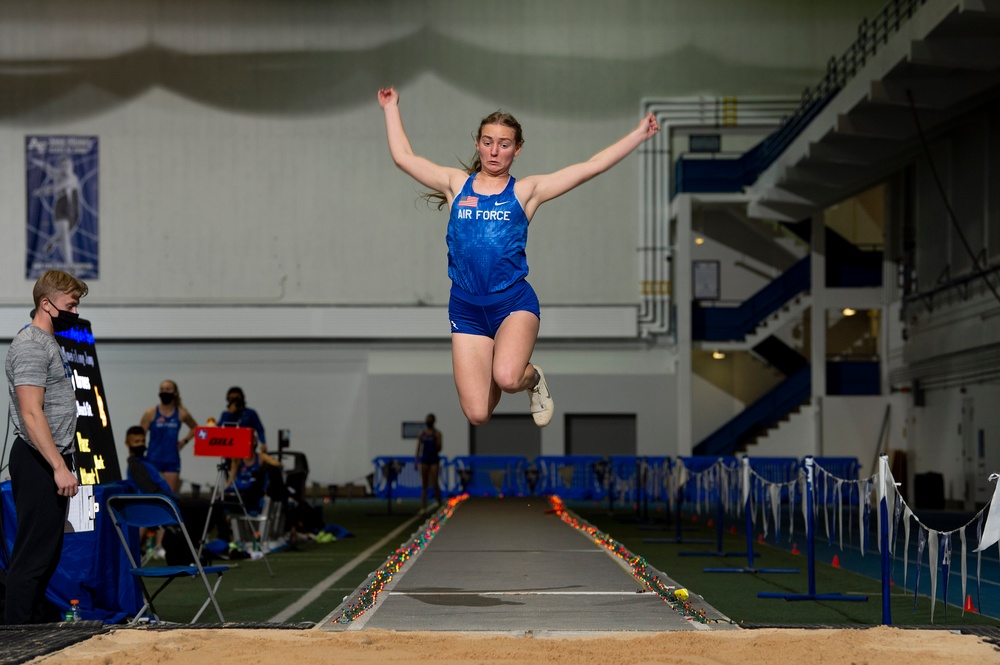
(499, 214)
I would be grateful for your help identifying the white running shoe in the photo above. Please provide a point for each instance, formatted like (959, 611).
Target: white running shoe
(542, 406)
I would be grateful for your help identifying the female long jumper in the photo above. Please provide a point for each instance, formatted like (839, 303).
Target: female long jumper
(494, 312)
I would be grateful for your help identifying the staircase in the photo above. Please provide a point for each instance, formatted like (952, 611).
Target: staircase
(732, 324)
(790, 312)
(793, 436)
(759, 417)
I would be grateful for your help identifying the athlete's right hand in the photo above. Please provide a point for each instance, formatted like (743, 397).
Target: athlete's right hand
(387, 96)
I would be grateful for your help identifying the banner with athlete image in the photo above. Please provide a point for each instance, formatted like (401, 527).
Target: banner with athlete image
(62, 187)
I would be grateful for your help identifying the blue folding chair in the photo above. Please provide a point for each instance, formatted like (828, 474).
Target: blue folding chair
(154, 510)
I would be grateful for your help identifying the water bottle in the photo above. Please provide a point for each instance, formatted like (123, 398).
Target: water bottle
(73, 613)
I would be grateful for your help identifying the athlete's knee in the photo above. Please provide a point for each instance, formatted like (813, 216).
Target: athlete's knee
(509, 380)
(477, 415)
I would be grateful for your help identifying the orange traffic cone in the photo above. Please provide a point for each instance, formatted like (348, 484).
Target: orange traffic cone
(760, 539)
(732, 530)
(795, 548)
(836, 561)
(710, 523)
(969, 607)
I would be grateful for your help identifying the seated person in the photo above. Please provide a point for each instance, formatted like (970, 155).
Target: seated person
(256, 476)
(144, 478)
(141, 474)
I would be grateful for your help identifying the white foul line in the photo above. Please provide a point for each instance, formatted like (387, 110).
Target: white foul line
(521, 593)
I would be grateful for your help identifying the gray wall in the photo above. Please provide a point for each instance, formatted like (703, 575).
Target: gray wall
(243, 157)
(950, 342)
(243, 165)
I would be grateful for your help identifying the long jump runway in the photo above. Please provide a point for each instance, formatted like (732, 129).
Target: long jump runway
(513, 565)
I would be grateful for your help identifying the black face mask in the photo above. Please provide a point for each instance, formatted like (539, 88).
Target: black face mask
(167, 398)
(138, 451)
(238, 403)
(64, 321)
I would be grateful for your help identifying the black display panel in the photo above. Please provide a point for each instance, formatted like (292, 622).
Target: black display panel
(96, 456)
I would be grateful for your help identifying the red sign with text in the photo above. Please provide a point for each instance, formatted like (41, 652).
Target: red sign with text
(235, 442)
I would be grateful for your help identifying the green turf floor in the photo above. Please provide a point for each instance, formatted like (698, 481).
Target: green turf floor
(249, 595)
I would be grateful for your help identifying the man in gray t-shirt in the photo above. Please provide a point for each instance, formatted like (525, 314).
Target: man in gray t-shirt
(43, 408)
(36, 359)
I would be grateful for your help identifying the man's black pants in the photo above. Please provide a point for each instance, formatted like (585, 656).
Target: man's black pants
(41, 517)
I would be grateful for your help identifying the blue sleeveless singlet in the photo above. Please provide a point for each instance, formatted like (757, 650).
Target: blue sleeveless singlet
(163, 432)
(486, 238)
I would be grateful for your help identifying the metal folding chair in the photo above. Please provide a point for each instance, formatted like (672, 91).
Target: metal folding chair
(154, 510)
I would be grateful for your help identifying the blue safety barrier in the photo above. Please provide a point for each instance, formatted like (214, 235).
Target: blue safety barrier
(846, 468)
(397, 476)
(776, 469)
(587, 477)
(582, 477)
(697, 464)
(490, 475)
(642, 478)
(829, 469)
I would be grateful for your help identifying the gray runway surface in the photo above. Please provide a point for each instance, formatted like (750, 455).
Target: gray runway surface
(512, 565)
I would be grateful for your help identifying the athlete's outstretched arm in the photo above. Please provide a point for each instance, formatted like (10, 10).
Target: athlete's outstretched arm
(427, 173)
(542, 188)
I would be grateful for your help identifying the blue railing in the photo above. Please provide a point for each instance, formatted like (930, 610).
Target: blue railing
(759, 416)
(735, 323)
(732, 175)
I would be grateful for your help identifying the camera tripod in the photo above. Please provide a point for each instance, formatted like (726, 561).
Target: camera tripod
(221, 479)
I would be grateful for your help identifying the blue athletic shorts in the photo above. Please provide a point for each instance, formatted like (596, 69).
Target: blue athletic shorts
(482, 315)
(165, 465)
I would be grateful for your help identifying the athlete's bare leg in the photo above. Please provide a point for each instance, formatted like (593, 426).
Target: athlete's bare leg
(173, 479)
(484, 368)
(515, 341)
(472, 363)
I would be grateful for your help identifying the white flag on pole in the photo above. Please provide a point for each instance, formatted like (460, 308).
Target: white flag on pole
(991, 532)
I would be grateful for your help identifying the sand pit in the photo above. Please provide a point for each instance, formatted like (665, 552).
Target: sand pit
(305, 647)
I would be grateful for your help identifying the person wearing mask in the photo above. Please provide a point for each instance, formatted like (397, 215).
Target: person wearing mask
(163, 422)
(140, 472)
(42, 473)
(237, 414)
(145, 478)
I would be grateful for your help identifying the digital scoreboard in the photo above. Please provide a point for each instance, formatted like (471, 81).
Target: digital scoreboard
(96, 455)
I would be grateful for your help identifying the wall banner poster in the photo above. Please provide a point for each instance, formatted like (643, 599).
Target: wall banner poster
(61, 173)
